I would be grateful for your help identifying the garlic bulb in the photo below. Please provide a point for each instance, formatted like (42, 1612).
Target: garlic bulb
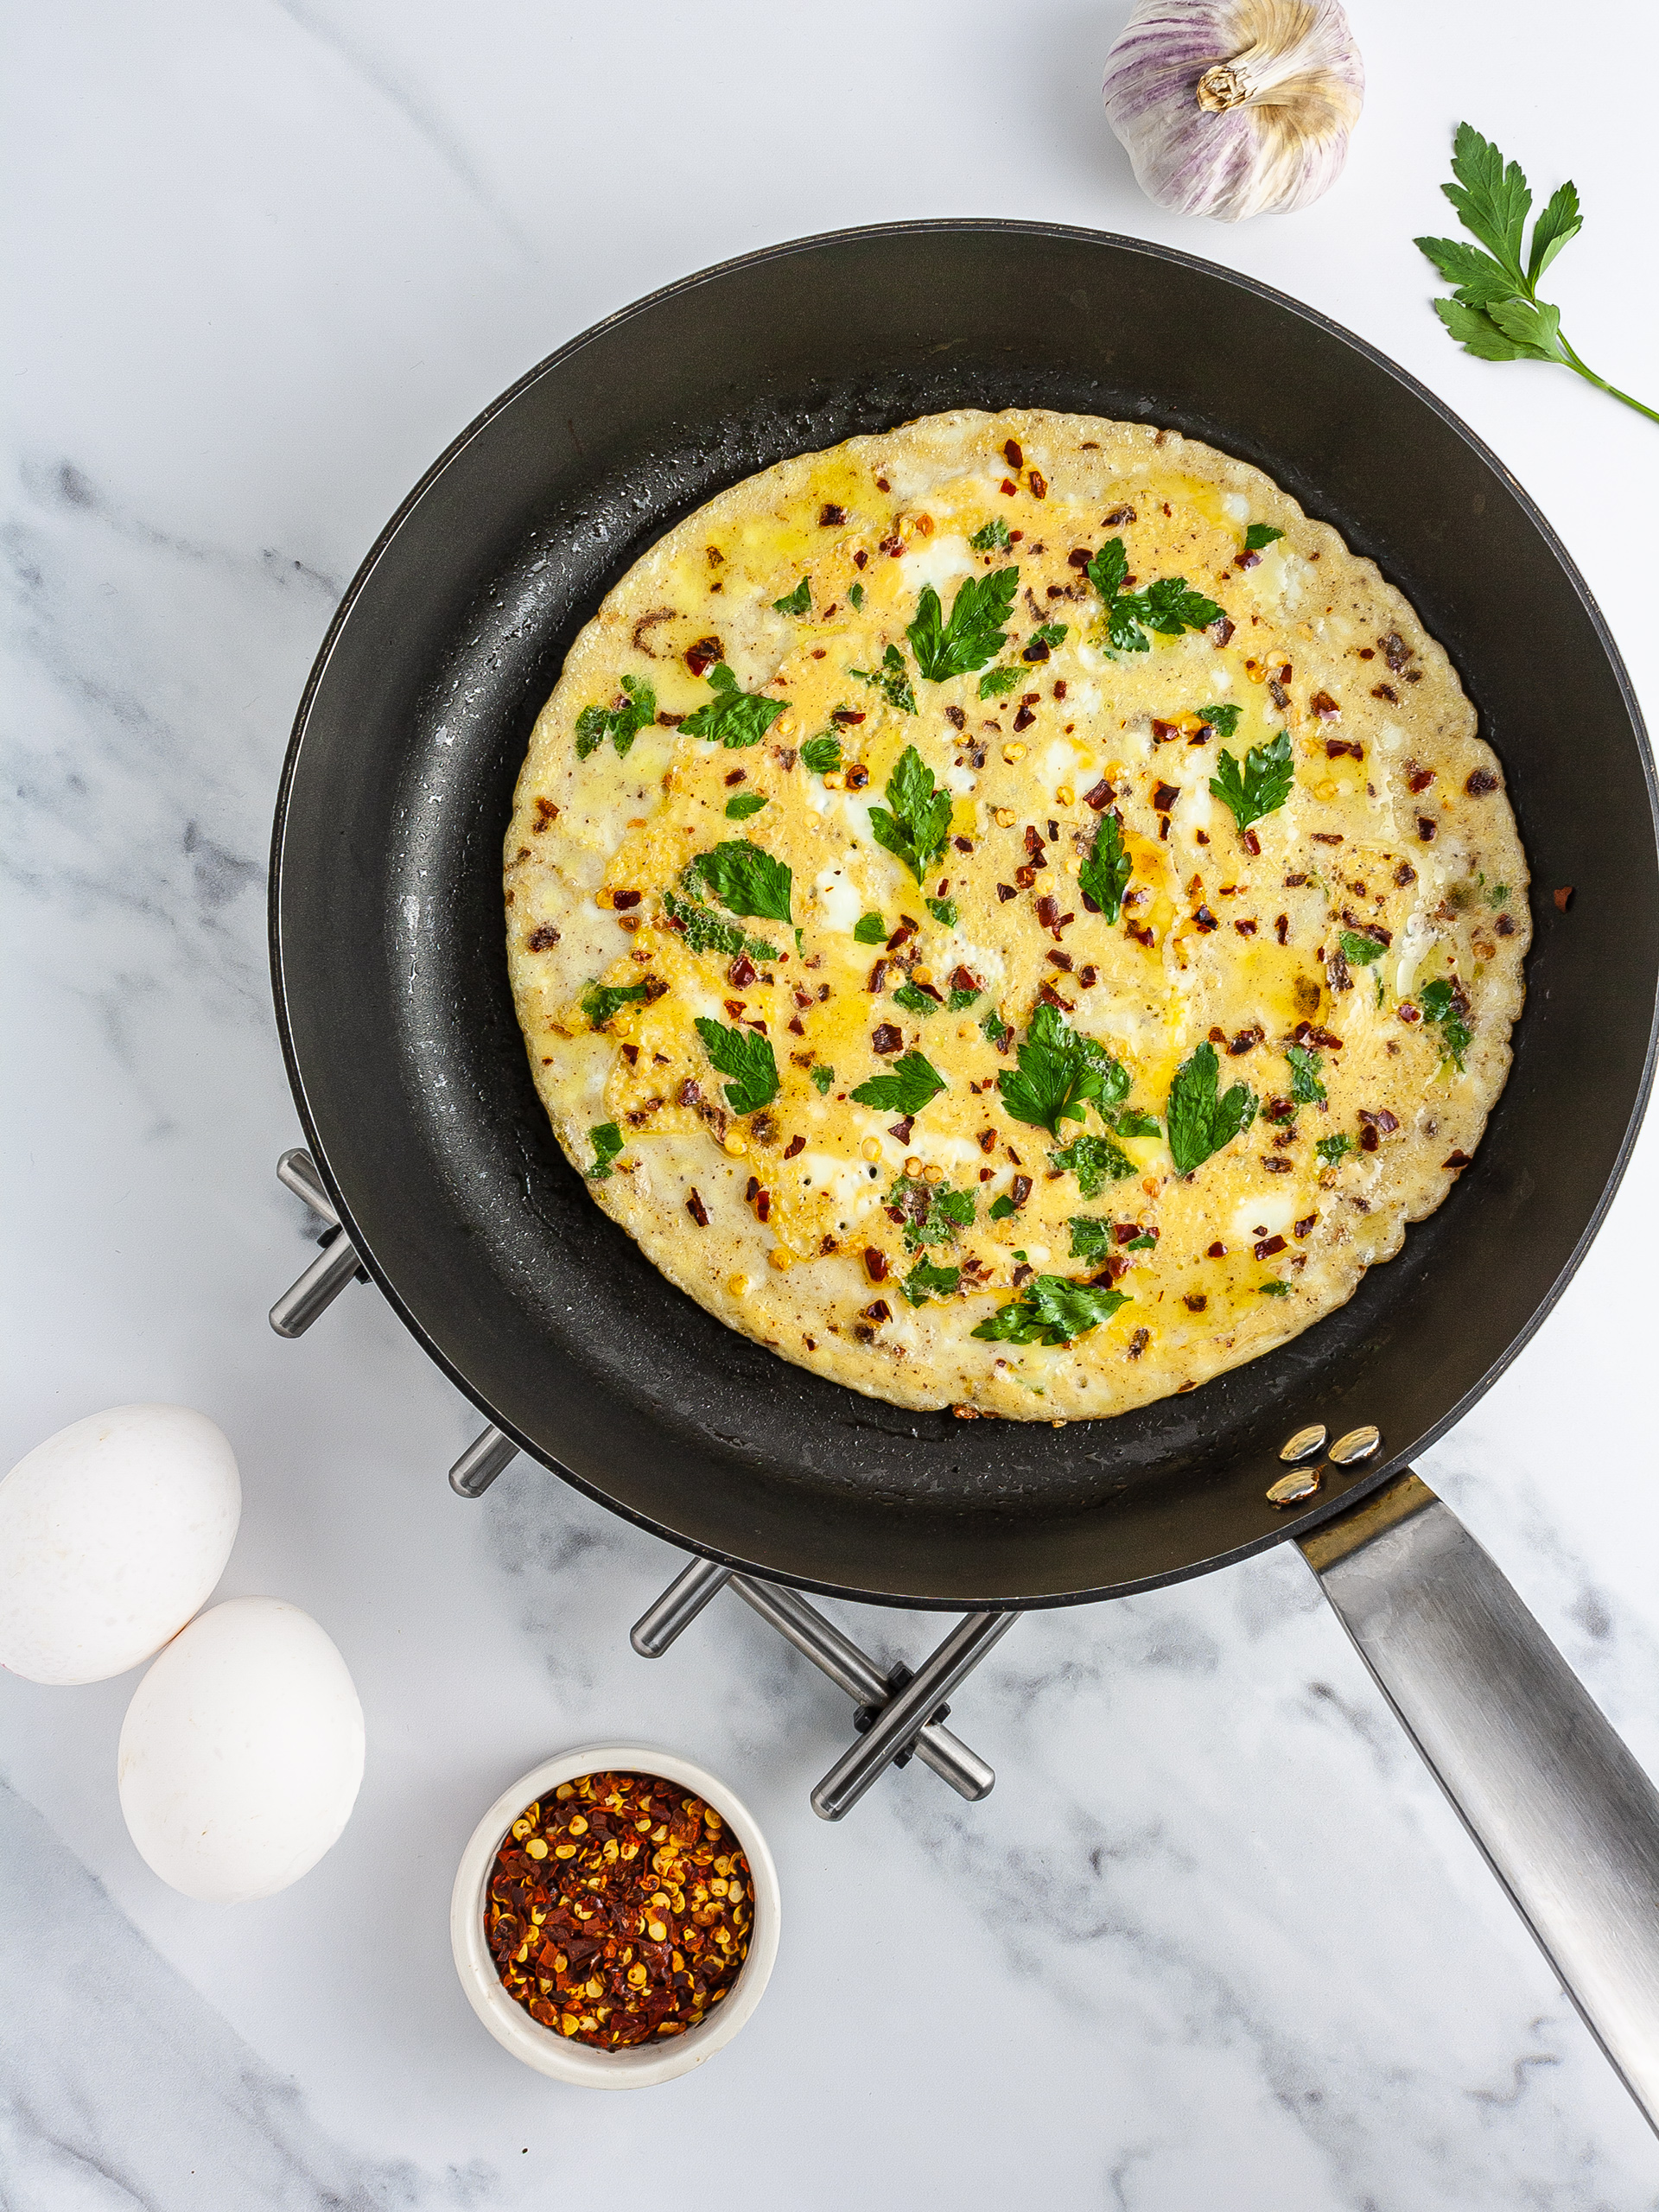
(1231, 107)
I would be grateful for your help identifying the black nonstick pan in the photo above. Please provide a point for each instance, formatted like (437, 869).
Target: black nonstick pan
(411, 1079)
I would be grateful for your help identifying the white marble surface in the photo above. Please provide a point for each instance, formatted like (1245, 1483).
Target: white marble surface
(1216, 1940)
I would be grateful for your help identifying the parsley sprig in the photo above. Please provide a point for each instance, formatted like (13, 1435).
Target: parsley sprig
(1094, 1161)
(1305, 1086)
(1059, 1072)
(747, 1058)
(925, 1281)
(732, 717)
(1495, 312)
(1051, 1311)
(916, 820)
(745, 879)
(1258, 785)
(621, 724)
(903, 1089)
(821, 754)
(1169, 606)
(1442, 1005)
(706, 932)
(1200, 1121)
(1105, 874)
(975, 632)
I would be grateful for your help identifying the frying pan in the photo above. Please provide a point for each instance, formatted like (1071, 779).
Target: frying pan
(412, 1078)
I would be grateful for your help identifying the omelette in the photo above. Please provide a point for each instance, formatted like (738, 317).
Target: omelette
(1011, 915)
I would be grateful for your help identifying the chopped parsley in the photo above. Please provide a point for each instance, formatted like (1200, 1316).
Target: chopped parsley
(994, 1029)
(1094, 1161)
(1169, 606)
(1048, 634)
(1305, 1088)
(1002, 1208)
(1129, 1123)
(821, 754)
(1261, 534)
(745, 880)
(706, 932)
(746, 803)
(892, 680)
(996, 681)
(746, 1058)
(1359, 950)
(1105, 874)
(1332, 1149)
(870, 929)
(991, 537)
(1441, 1005)
(600, 1002)
(915, 1000)
(855, 593)
(1500, 894)
(798, 602)
(924, 1281)
(1052, 1311)
(903, 1089)
(1223, 720)
(607, 1141)
(621, 724)
(916, 820)
(1261, 786)
(933, 1212)
(822, 1079)
(975, 632)
(1274, 1289)
(1200, 1121)
(1059, 1072)
(943, 911)
(732, 717)
(1091, 1236)
(960, 1001)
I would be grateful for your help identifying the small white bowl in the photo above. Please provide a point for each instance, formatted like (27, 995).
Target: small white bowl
(640, 2066)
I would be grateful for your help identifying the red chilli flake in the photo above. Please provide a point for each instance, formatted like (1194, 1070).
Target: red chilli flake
(1267, 1246)
(1563, 898)
(698, 1212)
(876, 1263)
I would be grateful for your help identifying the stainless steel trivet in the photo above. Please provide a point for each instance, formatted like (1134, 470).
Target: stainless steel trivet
(898, 1714)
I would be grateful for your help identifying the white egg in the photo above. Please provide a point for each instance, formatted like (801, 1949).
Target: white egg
(112, 1533)
(241, 1752)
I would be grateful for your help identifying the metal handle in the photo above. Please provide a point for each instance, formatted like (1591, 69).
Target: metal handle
(490, 1454)
(317, 1288)
(297, 1171)
(1566, 1818)
(900, 1721)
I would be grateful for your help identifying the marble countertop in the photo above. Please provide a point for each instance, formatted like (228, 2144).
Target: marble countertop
(1216, 1940)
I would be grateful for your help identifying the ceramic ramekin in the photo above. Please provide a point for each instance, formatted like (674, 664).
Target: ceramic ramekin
(543, 2048)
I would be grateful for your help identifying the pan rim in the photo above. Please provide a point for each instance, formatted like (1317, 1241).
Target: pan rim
(1293, 1526)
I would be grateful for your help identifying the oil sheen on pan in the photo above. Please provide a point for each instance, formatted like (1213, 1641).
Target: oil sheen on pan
(1011, 915)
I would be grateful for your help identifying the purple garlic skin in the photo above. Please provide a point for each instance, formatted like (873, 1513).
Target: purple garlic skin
(1230, 108)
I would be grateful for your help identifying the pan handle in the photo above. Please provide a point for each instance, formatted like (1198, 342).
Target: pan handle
(1566, 1818)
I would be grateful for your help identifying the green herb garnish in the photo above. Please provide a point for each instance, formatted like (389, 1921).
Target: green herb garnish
(960, 1001)
(1223, 720)
(855, 593)
(1260, 534)
(994, 1029)
(1091, 1236)
(706, 932)
(1305, 1088)
(943, 911)
(991, 537)
(745, 880)
(924, 1281)
(975, 632)
(621, 724)
(821, 754)
(1261, 786)
(1128, 1122)
(1052, 1311)
(1168, 606)
(892, 680)
(798, 602)
(1332, 1149)
(600, 1002)
(1059, 1072)
(1274, 1289)
(822, 1079)
(1048, 634)
(748, 1058)
(1439, 1003)
(919, 821)
(933, 1211)
(1495, 312)
(607, 1141)
(732, 717)
(1105, 874)
(1500, 894)
(746, 803)
(1199, 1121)
(1094, 1161)
(915, 1000)
(905, 1089)
(870, 929)
(1359, 950)
(996, 681)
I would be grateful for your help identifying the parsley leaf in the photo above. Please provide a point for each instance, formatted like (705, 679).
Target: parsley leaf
(607, 1141)
(943, 911)
(1223, 720)
(621, 724)
(1169, 606)
(1109, 569)
(1131, 1124)
(1260, 534)
(1305, 1088)
(892, 680)
(747, 1058)
(1002, 1208)
(1200, 1123)
(602, 1001)
(798, 602)
(933, 1212)
(1049, 634)
(904, 1089)
(1094, 1161)
(1332, 1149)
(1494, 311)
(1261, 786)
(1091, 1236)
(1105, 874)
(1440, 1005)
(974, 633)
(1359, 950)
(855, 593)
(993, 538)
(1059, 1072)
(996, 681)
(1274, 1289)
(822, 1079)
(915, 1000)
(920, 821)
(706, 932)
(732, 717)
(746, 803)
(960, 1001)
(821, 754)
(924, 1281)
(745, 880)
(994, 1029)
(870, 930)
(1052, 1311)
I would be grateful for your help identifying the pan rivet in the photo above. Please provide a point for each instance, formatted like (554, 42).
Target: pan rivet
(1358, 1443)
(1291, 1490)
(1307, 1444)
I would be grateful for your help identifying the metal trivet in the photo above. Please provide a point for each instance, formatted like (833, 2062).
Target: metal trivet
(899, 1715)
